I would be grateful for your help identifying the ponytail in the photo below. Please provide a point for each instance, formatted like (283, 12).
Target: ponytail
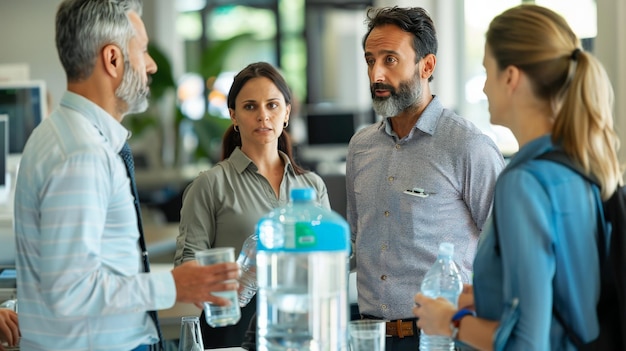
(584, 123)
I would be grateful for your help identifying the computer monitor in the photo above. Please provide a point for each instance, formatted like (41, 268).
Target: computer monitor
(330, 127)
(25, 103)
(7, 240)
(328, 131)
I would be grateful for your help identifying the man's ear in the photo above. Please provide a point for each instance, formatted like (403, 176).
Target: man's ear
(428, 66)
(112, 60)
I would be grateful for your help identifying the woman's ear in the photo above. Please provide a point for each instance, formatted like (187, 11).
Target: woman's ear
(288, 114)
(512, 75)
(232, 116)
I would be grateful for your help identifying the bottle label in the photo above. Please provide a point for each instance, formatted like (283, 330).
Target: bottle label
(303, 237)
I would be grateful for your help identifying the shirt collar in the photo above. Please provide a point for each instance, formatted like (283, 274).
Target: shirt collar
(532, 149)
(242, 162)
(427, 122)
(112, 130)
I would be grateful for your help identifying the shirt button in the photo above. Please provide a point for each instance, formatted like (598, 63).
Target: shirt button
(383, 247)
(397, 147)
(383, 306)
(383, 277)
(390, 179)
(386, 213)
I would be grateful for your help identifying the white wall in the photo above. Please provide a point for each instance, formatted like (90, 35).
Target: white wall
(27, 28)
(28, 36)
(347, 84)
(610, 47)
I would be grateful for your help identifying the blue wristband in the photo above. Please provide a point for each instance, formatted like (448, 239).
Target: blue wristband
(456, 319)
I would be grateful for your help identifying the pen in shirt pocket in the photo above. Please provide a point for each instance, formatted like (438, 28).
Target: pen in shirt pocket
(419, 192)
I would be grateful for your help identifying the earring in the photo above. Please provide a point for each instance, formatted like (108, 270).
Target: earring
(286, 124)
(236, 128)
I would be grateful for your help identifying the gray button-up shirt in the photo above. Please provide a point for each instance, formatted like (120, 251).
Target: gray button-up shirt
(406, 196)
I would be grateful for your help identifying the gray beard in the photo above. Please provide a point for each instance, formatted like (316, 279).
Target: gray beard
(408, 95)
(132, 91)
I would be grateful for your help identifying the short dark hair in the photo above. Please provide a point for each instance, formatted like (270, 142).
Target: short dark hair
(414, 20)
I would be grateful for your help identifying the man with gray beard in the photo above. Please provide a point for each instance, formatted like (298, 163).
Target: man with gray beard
(421, 176)
(83, 278)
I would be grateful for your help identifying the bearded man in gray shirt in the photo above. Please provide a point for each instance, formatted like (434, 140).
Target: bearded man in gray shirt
(421, 176)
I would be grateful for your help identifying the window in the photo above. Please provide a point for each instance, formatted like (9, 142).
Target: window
(580, 14)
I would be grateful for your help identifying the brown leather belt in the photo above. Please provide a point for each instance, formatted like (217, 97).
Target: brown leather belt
(400, 328)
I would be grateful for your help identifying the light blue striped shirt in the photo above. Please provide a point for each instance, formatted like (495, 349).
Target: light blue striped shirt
(79, 280)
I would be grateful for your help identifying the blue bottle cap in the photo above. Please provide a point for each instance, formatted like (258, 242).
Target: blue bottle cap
(303, 194)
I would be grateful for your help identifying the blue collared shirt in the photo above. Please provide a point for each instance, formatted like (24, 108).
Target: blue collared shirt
(406, 196)
(79, 275)
(548, 254)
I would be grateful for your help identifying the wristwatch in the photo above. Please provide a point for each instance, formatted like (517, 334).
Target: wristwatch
(456, 320)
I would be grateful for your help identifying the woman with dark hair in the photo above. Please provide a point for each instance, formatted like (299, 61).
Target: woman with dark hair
(223, 204)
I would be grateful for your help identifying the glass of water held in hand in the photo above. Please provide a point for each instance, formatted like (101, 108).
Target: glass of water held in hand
(367, 335)
(220, 316)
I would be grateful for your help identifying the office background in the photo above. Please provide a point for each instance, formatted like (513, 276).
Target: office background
(337, 74)
(320, 53)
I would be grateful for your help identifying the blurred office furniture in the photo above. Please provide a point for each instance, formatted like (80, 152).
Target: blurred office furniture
(336, 186)
(24, 104)
(162, 189)
(7, 242)
(7, 285)
(5, 180)
(329, 129)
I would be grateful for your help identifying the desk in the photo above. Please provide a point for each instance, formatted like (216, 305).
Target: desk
(161, 242)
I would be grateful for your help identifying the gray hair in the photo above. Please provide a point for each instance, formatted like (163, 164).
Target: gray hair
(83, 27)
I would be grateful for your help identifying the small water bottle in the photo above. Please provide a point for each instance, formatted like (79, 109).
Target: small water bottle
(302, 271)
(247, 270)
(190, 335)
(442, 279)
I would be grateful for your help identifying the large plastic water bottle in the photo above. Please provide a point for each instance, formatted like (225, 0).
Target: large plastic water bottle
(247, 270)
(442, 279)
(302, 271)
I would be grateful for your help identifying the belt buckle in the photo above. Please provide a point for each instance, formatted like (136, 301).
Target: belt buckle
(399, 332)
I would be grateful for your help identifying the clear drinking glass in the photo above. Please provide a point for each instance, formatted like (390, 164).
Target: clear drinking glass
(220, 316)
(190, 335)
(367, 335)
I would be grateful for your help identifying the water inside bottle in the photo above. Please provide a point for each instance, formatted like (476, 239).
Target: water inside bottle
(301, 310)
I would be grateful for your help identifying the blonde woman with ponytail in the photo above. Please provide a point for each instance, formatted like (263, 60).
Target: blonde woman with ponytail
(553, 95)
